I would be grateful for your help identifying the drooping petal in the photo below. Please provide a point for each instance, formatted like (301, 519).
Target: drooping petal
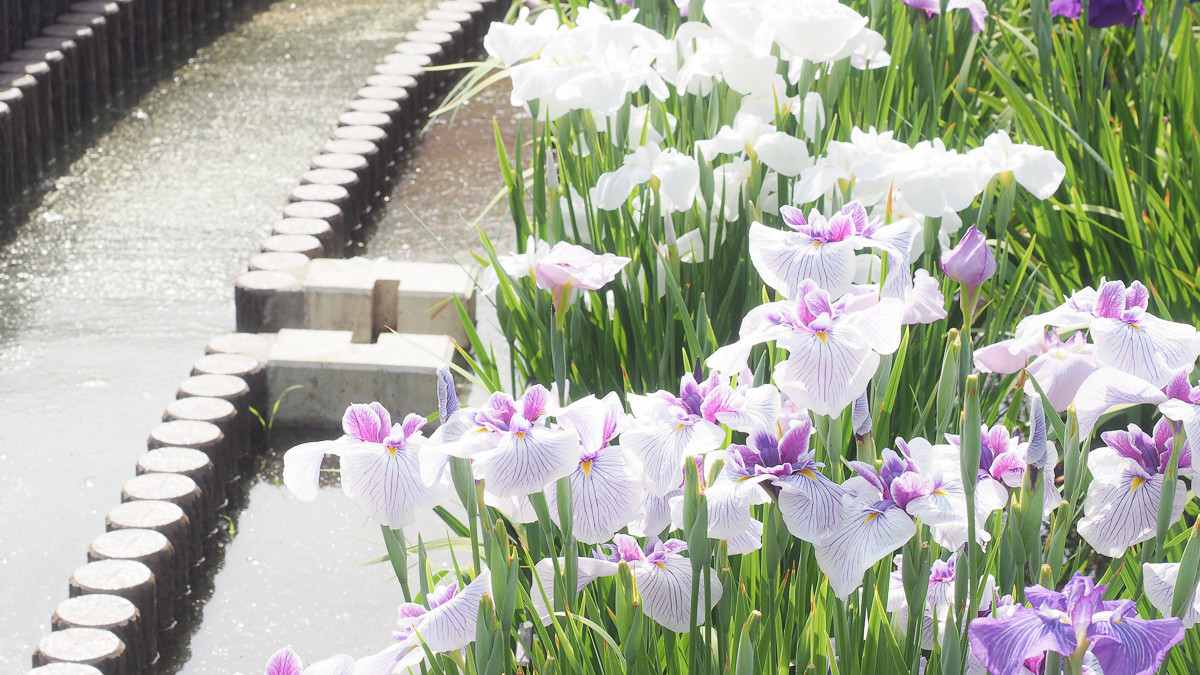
(451, 625)
(746, 542)
(342, 664)
(661, 448)
(605, 493)
(998, 358)
(729, 499)
(386, 484)
(590, 569)
(866, 536)
(395, 659)
(1110, 389)
(302, 465)
(1134, 646)
(811, 505)
(284, 662)
(1122, 510)
(1150, 349)
(1189, 415)
(785, 259)
(758, 407)
(1002, 645)
(1159, 579)
(825, 373)
(527, 462)
(1060, 376)
(879, 325)
(783, 153)
(654, 513)
(666, 590)
(614, 187)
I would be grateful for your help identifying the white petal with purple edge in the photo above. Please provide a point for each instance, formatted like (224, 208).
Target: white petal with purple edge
(825, 373)
(746, 542)
(451, 625)
(811, 505)
(302, 465)
(1152, 350)
(387, 484)
(784, 259)
(1122, 510)
(1110, 389)
(666, 590)
(342, 664)
(589, 569)
(1159, 582)
(526, 463)
(661, 448)
(729, 499)
(605, 493)
(865, 537)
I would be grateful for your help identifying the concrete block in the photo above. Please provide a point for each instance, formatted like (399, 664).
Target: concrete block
(399, 371)
(426, 300)
(371, 297)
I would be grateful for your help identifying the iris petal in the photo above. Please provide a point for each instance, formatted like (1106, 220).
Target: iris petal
(605, 493)
(661, 448)
(284, 662)
(865, 537)
(1002, 645)
(811, 505)
(1122, 510)
(451, 625)
(666, 590)
(1111, 389)
(387, 484)
(785, 259)
(1134, 646)
(1159, 582)
(825, 372)
(527, 462)
(302, 465)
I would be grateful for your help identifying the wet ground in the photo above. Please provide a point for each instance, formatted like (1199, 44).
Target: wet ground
(111, 289)
(294, 573)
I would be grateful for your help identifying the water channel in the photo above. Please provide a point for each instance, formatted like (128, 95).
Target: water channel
(124, 270)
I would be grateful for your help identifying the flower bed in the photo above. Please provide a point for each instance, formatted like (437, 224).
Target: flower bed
(802, 392)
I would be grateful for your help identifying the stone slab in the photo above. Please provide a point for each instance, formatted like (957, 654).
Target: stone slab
(399, 371)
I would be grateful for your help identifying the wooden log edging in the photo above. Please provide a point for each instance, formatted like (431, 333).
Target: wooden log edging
(68, 67)
(160, 538)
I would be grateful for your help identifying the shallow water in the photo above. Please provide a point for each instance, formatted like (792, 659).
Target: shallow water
(122, 273)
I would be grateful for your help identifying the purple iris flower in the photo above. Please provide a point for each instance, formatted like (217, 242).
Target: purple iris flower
(1072, 623)
(671, 427)
(446, 625)
(833, 347)
(823, 251)
(874, 522)
(383, 466)
(810, 503)
(1127, 481)
(512, 448)
(1101, 13)
(1124, 334)
(663, 577)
